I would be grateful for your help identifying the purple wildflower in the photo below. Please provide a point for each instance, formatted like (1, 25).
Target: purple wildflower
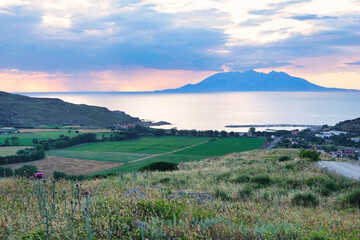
(86, 192)
(39, 175)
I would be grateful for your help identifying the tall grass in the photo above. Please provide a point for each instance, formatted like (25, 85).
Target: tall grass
(239, 196)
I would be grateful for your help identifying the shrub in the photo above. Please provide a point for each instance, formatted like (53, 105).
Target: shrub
(160, 166)
(222, 195)
(245, 193)
(305, 200)
(164, 180)
(262, 180)
(352, 199)
(242, 179)
(161, 208)
(328, 186)
(26, 171)
(310, 155)
(59, 175)
(284, 159)
(6, 172)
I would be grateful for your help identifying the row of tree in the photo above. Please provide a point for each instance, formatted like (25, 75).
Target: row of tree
(14, 141)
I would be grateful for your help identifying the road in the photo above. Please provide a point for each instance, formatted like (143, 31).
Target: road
(274, 142)
(349, 170)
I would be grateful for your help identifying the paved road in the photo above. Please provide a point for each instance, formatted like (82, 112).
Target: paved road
(349, 170)
(274, 142)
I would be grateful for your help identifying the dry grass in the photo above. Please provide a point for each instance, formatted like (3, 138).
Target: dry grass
(229, 216)
(67, 165)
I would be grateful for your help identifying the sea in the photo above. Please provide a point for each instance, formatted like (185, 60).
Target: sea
(203, 111)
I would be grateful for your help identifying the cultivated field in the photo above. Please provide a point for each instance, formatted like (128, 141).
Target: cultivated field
(135, 154)
(26, 138)
(67, 165)
(6, 151)
(251, 195)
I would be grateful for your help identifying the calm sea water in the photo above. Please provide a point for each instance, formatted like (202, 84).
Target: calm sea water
(215, 110)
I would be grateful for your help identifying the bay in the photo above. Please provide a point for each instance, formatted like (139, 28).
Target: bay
(216, 110)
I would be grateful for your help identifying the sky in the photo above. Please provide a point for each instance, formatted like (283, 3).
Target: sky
(145, 45)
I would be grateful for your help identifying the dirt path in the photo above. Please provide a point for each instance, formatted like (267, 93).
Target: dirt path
(167, 153)
(349, 170)
(160, 154)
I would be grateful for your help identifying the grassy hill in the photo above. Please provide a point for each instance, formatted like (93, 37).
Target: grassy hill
(351, 126)
(17, 110)
(249, 195)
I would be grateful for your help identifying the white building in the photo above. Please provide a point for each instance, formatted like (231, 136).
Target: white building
(356, 139)
(329, 134)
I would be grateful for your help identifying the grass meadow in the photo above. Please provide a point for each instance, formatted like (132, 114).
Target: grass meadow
(6, 151)
(161, 149)
(248, 195)
(26, 138)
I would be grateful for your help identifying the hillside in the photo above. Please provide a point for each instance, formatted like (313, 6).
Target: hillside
(251, 195)
(250, 81)
(19, 110)
(351, 126)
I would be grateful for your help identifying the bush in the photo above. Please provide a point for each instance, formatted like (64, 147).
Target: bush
(241, 179)
(310, 155)
(222, 195)
(6, 172)
(305, 200)
(262, 180)
(245, 193)
(26, 171)
(59, 175)
(352, 199)
(161, 209)
(160, 166)
(284, 159)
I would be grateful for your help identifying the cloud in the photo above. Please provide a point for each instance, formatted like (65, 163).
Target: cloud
(79, 37)
(353, 63)
(311, 17)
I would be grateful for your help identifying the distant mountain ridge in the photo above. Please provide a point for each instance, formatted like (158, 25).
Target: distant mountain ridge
(18, 110)
(250, 81)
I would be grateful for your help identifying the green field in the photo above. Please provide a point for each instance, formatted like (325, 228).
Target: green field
(154, 145)
(7, 151)
(224, 146)
(160, 148)
(26, 138)
(98, 156)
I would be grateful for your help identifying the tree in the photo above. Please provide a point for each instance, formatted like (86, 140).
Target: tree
(35, 141)
(7, 142)
(26, 171)
(159, 132)
(252, 130)
(15, 141)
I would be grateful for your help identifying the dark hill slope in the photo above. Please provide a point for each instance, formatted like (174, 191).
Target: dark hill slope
(19, 110)
(250, 81)
(351, 126)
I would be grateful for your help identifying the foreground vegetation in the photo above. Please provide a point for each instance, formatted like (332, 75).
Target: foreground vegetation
(249, 195)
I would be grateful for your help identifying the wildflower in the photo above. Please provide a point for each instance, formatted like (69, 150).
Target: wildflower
(270, 233)
(39, 175)
(86, 193)
(77, 185)
(44, 181)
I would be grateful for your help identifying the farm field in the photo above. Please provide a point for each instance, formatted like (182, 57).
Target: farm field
(135, 154)
(224, 146)
(98, 156)
(153, 145)
(27, 137)
(69, 165)
(6, 151)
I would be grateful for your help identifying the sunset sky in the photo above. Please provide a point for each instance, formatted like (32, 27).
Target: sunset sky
(144, 45)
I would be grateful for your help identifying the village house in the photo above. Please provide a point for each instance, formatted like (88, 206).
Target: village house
(356, 139)
(329, 134)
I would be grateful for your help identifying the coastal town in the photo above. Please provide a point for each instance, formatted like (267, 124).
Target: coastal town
(339, 144)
